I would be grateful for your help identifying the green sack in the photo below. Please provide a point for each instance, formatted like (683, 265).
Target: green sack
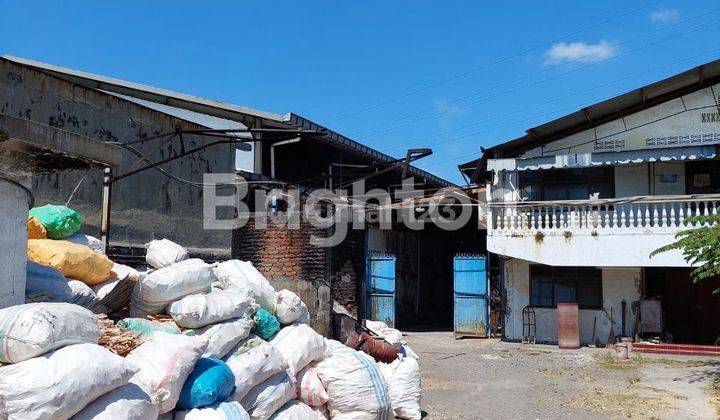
(59, 221)
(145, 327)
(266, 325)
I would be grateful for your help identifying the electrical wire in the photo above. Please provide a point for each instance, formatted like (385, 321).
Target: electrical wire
(67, 203)
(556, 99)
(436, 112)
(512, 123)
(195, 184)
(496, 62)
(594, 139)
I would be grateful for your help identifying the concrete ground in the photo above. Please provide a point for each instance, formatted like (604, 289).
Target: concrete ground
(487, 378)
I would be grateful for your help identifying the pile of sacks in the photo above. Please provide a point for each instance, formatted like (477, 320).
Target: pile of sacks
(214, 342)
(65, 265)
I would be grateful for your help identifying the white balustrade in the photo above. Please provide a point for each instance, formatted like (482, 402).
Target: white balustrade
(645, 214)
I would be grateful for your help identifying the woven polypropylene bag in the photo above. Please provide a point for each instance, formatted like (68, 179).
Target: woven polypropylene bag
(59, 221)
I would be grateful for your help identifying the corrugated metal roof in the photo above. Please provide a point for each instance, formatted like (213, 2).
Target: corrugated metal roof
(211, 112)
(193, 103)
(594, 115)
(338, 140)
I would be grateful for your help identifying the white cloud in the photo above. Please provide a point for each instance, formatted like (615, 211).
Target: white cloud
(448, 113)
(579, 51)
(664, 16)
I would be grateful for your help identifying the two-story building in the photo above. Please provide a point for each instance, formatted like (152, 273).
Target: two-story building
(577, 205)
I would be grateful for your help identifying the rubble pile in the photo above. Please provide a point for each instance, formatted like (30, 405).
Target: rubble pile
(184, 339)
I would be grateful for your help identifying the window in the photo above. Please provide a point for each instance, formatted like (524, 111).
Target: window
(702, 177)
(567, 184)
(552, 285)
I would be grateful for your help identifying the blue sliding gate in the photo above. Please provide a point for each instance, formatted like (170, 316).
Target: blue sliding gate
(381, 288)
(470, 296)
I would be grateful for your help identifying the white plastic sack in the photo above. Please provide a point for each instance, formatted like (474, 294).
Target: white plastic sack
(196, 311)
(229, 410)
(309, 387)
(224, 336)
(60, 384)
(156, 290)
(267, 398)
(128, 402)
(375, 326)
(164, 253)
(45, 284)
(103, 289)
(253, 361)
(354, 383)
(390, 335)
(89, 241)
(33, 329)
(164, 363)
(122, 271)
(294, 410)
(82, 294)
(243, 275)
(402, 377)
(299, 345)
(289, 308)
(321, 412)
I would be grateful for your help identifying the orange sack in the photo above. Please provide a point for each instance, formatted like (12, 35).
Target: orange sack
(35, 229)
(73, 260)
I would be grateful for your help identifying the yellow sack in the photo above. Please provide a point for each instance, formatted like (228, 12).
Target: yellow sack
(35, 229)
(73, 260)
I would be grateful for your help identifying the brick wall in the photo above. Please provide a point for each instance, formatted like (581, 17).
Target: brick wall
(286, 255)
(278, 251)
(348, 271)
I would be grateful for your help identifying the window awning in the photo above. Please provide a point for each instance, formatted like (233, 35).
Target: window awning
(588, 160)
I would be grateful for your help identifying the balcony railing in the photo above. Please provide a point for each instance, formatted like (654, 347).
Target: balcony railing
(648, 214)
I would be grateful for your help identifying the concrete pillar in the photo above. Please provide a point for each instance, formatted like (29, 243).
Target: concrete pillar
(13, 243)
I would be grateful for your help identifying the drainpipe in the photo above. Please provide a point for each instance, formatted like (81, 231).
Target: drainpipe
(105, 214)
(272, 153)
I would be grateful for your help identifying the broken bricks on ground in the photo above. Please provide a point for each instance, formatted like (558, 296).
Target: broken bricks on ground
(191, 340)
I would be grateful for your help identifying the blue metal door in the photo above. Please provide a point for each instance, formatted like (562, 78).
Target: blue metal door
(471, 296)
(381, 288)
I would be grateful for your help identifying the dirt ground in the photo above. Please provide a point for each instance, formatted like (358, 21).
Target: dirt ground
(487, 378)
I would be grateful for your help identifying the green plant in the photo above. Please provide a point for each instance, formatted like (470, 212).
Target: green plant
(539, 236)
(700, 246)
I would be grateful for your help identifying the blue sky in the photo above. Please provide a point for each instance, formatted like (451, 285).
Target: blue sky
(452, 75)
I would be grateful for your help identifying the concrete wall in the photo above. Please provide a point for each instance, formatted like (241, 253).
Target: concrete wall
(145, 206)
(632, 180)
(668, 178)
(13, 242)
(617, 284)
(630, 248)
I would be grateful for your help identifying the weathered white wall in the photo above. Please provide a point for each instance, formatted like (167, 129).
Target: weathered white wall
(622, 248)
(675, 123)
(632, 181)
(617, 284)
(13, 243)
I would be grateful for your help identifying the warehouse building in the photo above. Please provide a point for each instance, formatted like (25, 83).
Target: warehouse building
(170, 140)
